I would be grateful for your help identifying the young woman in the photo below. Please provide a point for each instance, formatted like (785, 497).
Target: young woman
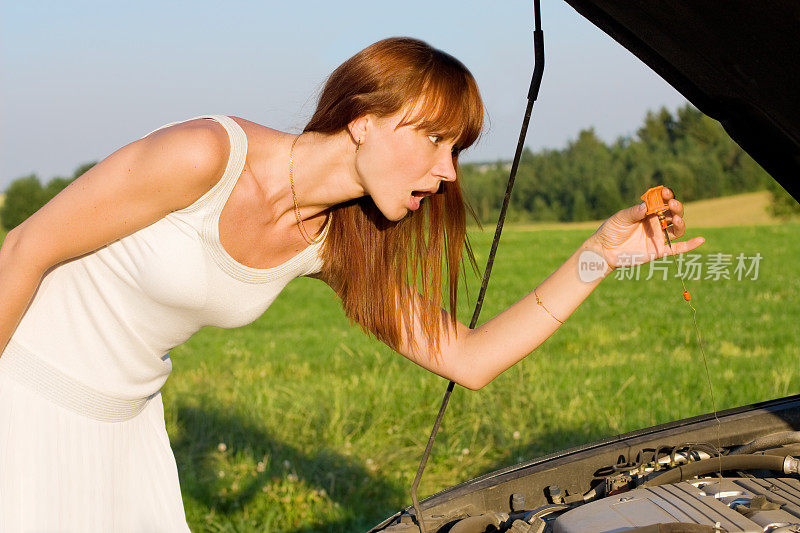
(203, 222)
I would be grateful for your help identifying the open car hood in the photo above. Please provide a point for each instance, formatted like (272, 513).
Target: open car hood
(735, 60)
(738, 470)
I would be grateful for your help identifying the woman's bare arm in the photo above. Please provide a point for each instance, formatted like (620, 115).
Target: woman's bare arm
(473, 358)
(129, 190)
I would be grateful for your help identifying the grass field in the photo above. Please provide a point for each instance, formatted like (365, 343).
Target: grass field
(299, 422)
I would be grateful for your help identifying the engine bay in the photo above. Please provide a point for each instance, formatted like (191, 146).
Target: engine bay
(747, 504)
(738, 473)
(762, 495)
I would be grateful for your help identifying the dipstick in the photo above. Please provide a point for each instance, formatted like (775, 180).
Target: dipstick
(656, 205)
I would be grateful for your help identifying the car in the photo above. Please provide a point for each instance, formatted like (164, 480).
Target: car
(733, 471)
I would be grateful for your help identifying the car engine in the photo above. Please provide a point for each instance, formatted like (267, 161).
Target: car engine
(745, 504)
(686, 488)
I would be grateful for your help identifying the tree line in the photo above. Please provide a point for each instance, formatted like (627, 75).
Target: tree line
(25, 195)
(586, 180)
(589, 179)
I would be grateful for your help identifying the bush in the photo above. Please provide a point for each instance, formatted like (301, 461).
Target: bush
(782, 205)
(23, 198)
(26, 195)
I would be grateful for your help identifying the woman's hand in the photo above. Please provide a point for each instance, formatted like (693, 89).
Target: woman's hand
(474, 357)
(629, 238)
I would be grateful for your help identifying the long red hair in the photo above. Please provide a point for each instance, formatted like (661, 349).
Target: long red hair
(376, 266)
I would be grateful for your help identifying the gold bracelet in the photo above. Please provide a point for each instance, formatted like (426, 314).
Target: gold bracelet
(538, 301)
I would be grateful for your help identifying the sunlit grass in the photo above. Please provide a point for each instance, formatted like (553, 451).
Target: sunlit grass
(299, 422)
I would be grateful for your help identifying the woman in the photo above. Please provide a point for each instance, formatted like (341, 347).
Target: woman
(203, 223)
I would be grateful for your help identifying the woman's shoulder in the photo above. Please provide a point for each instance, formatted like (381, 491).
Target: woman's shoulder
(255, 128)
(264, 143)
(203, 143)
(259, 135)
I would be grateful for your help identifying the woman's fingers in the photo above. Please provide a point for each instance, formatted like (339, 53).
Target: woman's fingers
(686, 246)
(678, 227)
(632, 214)
(675, 218)
(676, 207)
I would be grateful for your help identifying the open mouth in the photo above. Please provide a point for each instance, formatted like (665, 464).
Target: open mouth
(416, 197)
(422, 193)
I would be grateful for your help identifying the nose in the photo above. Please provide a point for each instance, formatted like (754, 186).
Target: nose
(446, 168)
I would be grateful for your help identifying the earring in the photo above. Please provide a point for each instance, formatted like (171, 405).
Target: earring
(358, 145)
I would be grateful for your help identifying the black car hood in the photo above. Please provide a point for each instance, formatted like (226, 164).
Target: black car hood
(735, 60)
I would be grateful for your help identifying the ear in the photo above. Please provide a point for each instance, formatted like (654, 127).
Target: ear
(358, 128)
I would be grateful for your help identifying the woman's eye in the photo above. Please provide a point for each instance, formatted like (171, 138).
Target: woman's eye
(435, 139)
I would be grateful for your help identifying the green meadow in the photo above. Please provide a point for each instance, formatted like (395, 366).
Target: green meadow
(300, 422)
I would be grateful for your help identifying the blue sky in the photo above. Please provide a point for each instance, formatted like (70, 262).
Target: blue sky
(82, 78)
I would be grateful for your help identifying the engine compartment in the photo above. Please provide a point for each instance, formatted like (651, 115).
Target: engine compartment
(629, 497)
(741, 504)
(740, 473)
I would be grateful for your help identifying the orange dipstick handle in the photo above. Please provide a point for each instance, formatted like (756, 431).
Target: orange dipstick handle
(656, 205)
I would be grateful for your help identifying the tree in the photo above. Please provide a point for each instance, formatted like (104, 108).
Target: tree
(55, 186)
(24, 197)
(82, 169)
(782, 204)
(580, 208)
(659, 129)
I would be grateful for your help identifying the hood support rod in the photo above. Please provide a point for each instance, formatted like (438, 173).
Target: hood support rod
(533, 92)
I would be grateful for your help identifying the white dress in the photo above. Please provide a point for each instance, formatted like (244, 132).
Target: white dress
(83, 446)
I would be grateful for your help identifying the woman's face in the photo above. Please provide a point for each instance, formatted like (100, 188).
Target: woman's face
(400, 165)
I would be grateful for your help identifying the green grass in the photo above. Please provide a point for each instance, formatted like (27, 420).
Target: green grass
(299, 422)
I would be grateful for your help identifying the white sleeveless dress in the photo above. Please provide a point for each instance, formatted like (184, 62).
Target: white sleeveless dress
(83, 446)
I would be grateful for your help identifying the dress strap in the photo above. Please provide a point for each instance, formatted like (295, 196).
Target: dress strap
(214, 199)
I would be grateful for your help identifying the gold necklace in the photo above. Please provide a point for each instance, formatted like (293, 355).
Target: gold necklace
(306, 236)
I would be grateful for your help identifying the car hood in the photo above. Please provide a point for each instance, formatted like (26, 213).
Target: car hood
(735, 60)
